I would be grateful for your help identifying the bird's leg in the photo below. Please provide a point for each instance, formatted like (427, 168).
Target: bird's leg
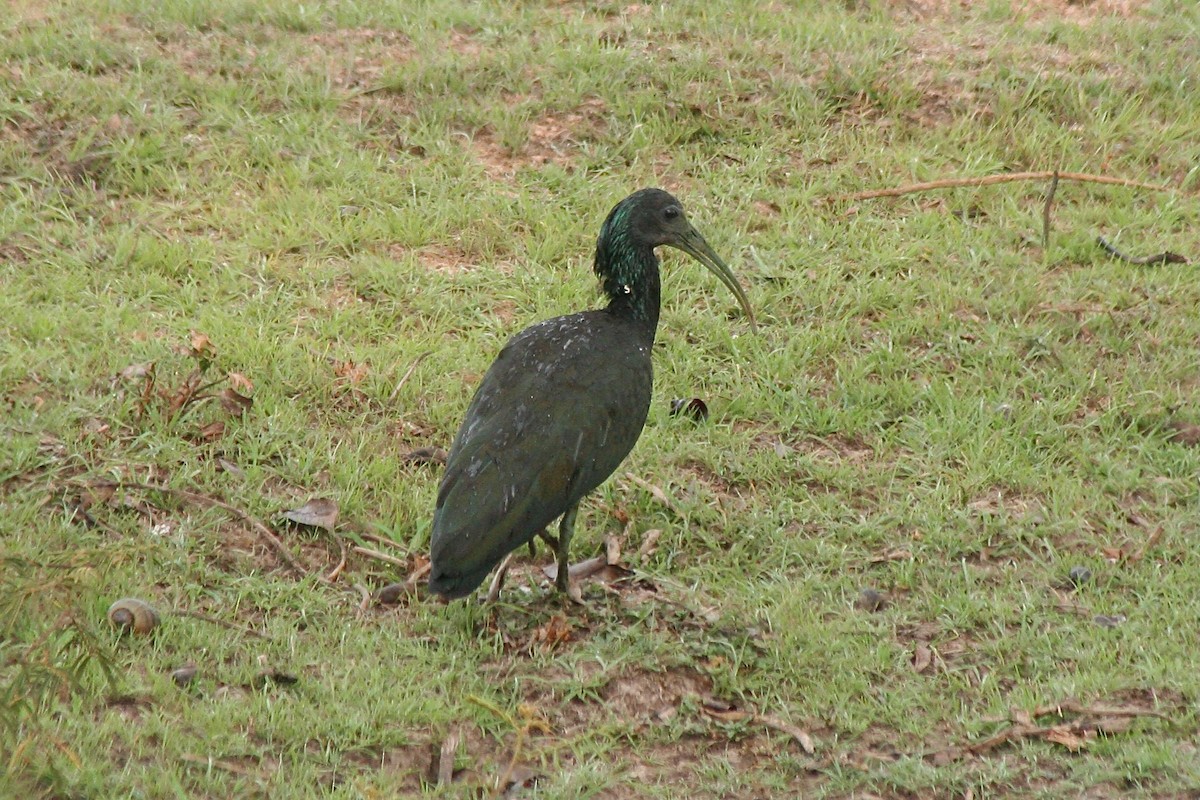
(544, 535)
(565, 530)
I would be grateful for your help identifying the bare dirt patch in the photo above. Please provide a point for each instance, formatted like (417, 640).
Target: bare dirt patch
(1080, 11)
(553, 138)
(438, 257)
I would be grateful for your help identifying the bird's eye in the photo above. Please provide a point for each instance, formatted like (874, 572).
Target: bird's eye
(671, 212)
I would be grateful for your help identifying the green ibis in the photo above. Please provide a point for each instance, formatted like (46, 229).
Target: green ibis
(562, 405)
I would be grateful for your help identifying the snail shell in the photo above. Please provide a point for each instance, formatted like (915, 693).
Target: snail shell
(131, 615)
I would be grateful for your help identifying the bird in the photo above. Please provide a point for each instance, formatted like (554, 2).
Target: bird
(562, 405)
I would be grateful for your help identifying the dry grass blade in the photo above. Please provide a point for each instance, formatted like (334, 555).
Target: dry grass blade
(1047, 208)
(378, 556)
(408, 374)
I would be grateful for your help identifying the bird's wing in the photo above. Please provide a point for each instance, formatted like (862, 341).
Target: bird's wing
(553, 417)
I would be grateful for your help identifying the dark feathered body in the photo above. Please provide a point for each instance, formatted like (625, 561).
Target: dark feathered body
(561, 407)
(556, 414)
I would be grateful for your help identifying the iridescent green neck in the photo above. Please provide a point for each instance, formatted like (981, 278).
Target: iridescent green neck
(628, 270)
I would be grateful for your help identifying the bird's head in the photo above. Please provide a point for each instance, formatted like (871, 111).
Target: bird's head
(652, 217)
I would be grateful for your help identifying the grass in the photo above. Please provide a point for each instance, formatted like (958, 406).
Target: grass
(935, 407)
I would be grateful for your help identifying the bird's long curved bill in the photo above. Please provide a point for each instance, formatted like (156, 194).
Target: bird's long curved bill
(695, 246)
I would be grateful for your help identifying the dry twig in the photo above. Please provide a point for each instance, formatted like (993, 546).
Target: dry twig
(1166, 257)
(988, 180)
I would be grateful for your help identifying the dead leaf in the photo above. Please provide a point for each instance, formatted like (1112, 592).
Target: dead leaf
(922, 658)
(556, 631)
(1064, 735)
(320, 512)
(425, 455)
(649, 542)
(612, 549)
(201, 347)
(351, 372)
(230, 467)
(235, 403)
(136, 372)
(211, 432)
(240, 382)
(801, 736)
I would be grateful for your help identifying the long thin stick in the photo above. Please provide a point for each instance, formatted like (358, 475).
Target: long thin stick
(988, 180)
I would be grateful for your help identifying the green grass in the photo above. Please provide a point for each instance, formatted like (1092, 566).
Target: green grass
(935, 407)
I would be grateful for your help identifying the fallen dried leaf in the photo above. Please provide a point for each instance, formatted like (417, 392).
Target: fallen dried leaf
(801, 736)
(211, 432)
(136, 371)
(649, 542)
(320, 512)
(240, 382)
(425, 455)
(235, 403)
(201, 347)
(1066, 736)
(351, 372)
(612, 549)
(922, 658)
(556, 631)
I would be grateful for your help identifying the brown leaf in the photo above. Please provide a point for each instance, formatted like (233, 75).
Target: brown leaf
(556, 631)
(351, 372)
(612, 549)
(235, 403)
(801, 736)
(649, 542)
(922, 658)
(240, 382)
(425, 455)
(320, 512)
(136, 372)
(211, 432)
(1064, 735)
(201, 347)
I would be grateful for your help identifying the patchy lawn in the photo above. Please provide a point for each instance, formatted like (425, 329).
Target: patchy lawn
(935, 539)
